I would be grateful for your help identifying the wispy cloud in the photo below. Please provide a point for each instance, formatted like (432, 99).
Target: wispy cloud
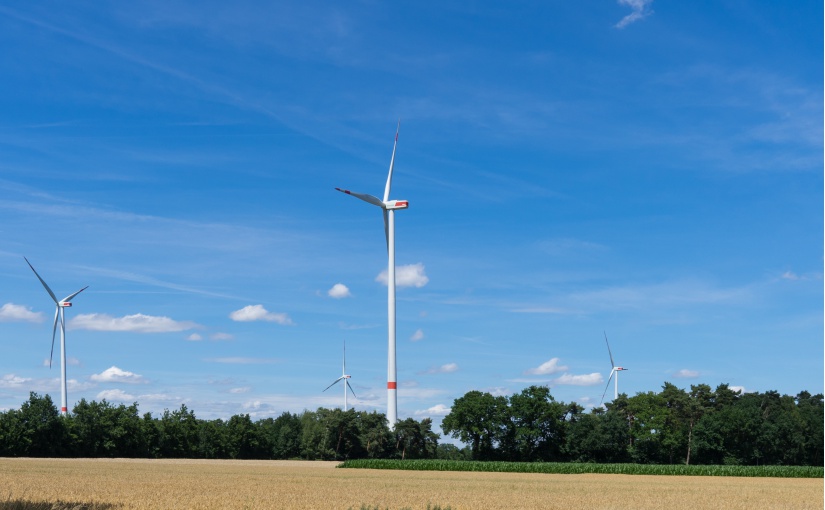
(443, 369)
(137, 323)
(339, 291)
(411, 275)
(114, 374)
(579, 380)
(13, 381)
(548, 367)
(436, 410)
(417, 336)
(221, 336)
(640, 9)
(115, 396)
(686, 374)
(252, 313)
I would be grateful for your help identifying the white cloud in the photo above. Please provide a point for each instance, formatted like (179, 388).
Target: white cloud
(115, 374)
(338, 291)
(412, 275)
(245, 389)
(579, 380)
(548, 367)
(137, 323)
(418, 335)
(221, 336)
(686, 374)
(194, 337)
(436, 410)
(11, 312)
(12, 381)
(639, 11)
(443, 369)
(740, 389)
(115, 396)
(259, 313)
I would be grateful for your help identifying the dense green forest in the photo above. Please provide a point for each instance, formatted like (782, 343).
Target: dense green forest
(673, 426)
(101, 429)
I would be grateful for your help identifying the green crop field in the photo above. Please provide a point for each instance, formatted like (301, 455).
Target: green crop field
(562, 468)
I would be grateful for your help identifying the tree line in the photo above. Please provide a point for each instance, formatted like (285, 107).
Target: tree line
(102, 429)
(672, 426)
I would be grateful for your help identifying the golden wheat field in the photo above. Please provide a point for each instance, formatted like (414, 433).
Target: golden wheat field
(184, 484)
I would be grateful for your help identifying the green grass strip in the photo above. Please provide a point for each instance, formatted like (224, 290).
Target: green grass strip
(581, 468)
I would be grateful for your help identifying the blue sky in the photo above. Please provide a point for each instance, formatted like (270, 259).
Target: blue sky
(648, 169)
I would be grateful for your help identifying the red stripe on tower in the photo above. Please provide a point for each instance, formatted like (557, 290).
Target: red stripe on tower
(392, 385)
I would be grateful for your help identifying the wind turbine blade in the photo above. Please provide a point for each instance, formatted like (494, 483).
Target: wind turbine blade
(363, 196)
(344, 372)
(608, 350)
(387, 228)
(54, 332)
(392, 164)
(607, 386)
(350, 389)
(333, 384)
(69, 298)
(54, 298)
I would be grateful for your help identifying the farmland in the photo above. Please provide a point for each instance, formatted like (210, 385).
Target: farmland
(203, 484)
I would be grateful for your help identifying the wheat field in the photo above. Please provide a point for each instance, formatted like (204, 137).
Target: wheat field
(198, 484)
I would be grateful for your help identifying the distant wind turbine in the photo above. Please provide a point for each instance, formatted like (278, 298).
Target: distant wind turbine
(344, 377)
(59, 311)
(615, 371)
(388, 207)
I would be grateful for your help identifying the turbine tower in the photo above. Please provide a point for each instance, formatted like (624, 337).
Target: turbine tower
(388, 207)
(614, 371)
(344, 377)
(59, 311)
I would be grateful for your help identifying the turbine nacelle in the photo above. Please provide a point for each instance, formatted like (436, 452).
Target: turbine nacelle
(64, 304)
(392, 205)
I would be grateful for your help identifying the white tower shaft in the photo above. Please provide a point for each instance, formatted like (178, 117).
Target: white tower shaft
(392, 383)
(63, 387)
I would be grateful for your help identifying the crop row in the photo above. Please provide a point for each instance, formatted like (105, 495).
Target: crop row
(581, 468)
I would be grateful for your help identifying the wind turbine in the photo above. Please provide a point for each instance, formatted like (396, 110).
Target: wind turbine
(615, 371)
(344, 377)
(59, 311)
(388, 207)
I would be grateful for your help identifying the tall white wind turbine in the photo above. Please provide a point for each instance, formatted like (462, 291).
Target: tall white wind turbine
(614, 371)
(388, 207)
(59, 311)
(344, 377)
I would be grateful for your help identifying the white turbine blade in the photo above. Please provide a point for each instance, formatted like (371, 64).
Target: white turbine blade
(363, 196)
(392, 164)
(333, 384)
(54, 332)
(350, 389)
(607, 386)
(608, 351)
(387, 228)
(41, 280)
(69, 297)
(344, 371)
